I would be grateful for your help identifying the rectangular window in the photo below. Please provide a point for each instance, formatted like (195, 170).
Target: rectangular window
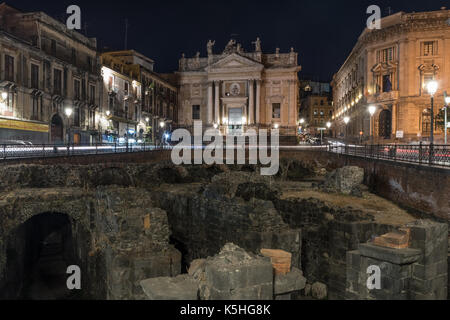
(83, 89)
(74, 56)
(276, 110)
(127, 89)
(9, 68)
(76, 117)
(57, 81)
(387, 84)
(76, 89)
(92, 94)
(53, 47)
(34, 76)
(196, 112)
(385, 55)
(429, 48)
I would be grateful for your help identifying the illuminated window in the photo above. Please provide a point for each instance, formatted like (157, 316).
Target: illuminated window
(429, 48)
(276, 110)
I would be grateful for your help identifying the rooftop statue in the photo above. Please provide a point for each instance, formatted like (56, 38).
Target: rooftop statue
(230, 46)
(209, 47)
(257, 44)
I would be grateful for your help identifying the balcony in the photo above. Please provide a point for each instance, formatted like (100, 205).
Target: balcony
(383, 97)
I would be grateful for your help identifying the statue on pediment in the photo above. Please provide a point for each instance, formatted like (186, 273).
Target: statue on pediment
(209, 47)
(230, 46)
(257, 44)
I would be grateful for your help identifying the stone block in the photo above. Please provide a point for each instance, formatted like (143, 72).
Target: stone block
(292, 281)
(182, 287)
(396, 256)
(281, 260)
(397, 239)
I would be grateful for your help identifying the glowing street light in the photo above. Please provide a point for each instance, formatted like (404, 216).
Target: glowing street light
(147, 119)
(346, 121)
(68, 112)
(328, 125)
(4, 95)
(447, 104)
(302, 121)
(162, 124)
(432, 87)
(215, 125)
(244, 120)
(276, 126)
(108, 113)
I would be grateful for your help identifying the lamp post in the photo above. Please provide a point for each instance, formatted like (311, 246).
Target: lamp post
(346, 121)
(432, 88)
(372, 110)
(68, 112)
(447, 104)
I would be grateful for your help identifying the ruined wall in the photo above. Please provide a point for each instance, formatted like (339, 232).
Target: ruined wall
(420, 188)
(119, 236)
(204, 219)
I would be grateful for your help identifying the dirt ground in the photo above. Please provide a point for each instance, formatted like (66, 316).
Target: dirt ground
(383, 210)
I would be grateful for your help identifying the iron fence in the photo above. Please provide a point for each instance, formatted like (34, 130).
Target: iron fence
(425, 154)
(21, 151)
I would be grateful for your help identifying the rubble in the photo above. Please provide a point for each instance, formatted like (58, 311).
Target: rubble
(346, 180)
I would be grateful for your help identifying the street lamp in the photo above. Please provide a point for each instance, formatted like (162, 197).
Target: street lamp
(346, 121)
(4, 95)
(302, 121)
(372, 110)
(432, 87)
(68, 112)
(329, 127)
(447, 104)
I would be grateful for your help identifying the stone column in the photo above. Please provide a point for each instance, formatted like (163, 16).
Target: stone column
(217, 102)
(210, 103)
(258, 101)
(251, 105)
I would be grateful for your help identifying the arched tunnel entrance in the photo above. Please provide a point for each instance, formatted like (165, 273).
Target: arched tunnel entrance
(37, 256)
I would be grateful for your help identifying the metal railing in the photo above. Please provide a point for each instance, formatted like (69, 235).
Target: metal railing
(20, 151)
(424, 154)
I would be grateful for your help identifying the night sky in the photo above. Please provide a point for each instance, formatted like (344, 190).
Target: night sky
(323, 32)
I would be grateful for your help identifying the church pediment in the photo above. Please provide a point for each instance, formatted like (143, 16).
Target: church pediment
(234, 62)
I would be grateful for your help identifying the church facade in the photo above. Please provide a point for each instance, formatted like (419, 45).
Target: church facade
(236, 90)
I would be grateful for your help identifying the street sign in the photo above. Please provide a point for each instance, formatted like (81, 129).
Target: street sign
(399, 135)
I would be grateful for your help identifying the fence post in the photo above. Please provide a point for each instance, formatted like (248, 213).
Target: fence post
(4, 152)
(96, 148)
(431, 154)
(115, 147)
(420, 152)
(43, 150)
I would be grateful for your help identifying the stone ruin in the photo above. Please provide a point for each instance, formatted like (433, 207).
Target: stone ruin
(232, 274)
(158, 231)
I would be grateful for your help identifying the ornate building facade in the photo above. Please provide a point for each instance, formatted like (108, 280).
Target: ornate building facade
(156, 96)
(236, 90)
(46, 69)
(389, 69)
